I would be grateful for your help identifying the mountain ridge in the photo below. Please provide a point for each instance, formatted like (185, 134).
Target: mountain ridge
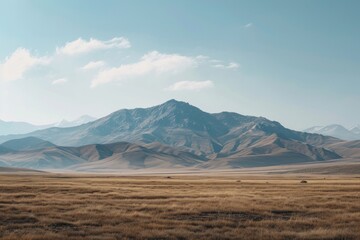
(179, 128)
(158, 123)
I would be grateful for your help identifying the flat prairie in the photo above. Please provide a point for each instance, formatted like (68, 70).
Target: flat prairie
(175, 206)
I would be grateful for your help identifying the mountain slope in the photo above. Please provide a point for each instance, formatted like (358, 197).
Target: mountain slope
(350, 149)
(18, 127)
(47, 158)
(4, 150)
(128, 156)
(28, 143)
(113, 156)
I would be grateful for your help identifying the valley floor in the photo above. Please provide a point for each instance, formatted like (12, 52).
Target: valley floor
(215, 206)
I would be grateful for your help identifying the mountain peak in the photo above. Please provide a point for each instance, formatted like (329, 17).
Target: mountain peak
(174, 102)
(79, 121)
(176, 110)
(335, 126)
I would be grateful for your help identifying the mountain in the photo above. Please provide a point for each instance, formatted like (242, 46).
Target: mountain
(356, 130)
(336, 130)
(4, 150)
(28, 143)
(97, 157)
(7, 128)
(314, 129)
(77, 122)
(48, 158)
(349, 149)
(128, 156)
(225, 139)
(173, 123)
(18, 127)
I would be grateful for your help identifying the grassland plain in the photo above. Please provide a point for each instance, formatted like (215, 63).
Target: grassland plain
(222, 206)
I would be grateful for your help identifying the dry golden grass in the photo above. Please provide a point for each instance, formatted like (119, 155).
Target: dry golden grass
(180, 207)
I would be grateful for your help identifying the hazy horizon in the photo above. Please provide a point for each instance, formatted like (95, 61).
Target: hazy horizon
(293, 62)
(98, 117)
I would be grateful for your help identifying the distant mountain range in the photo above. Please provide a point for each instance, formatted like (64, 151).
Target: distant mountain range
(336, 130)
(7, 128)
(173, 134)
(77, 122)
(18, 127)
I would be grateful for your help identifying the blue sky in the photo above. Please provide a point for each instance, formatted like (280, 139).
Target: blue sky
(296, 62)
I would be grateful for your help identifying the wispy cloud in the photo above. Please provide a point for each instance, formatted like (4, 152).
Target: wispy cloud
(20, 61)
(83, 46)
(151, 63)
(202, 57)
(93, 65)
(231, 65)
(59, 81)
(248, 25)
(190, 85)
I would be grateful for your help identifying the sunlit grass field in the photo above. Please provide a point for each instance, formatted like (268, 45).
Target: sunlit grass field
(50, 206)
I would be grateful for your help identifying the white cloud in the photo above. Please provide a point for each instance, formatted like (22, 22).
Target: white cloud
(248, 25)
(82, 46)
(59, 81)
(151, 63)
(190, 85)
(93, 65)
(20, 61)
(231, 65)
